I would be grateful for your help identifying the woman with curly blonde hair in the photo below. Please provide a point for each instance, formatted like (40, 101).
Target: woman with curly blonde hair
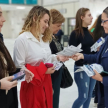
(31, 51)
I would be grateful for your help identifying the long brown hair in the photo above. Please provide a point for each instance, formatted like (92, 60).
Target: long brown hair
(93, 26)
(6, 62)
(98, 31)
(37, 12)
(78, 26)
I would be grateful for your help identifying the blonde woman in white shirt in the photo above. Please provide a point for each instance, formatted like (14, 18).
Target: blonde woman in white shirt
(31, 47)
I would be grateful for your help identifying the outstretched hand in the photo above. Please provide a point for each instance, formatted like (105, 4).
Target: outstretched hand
(77, 56)
(62, 58)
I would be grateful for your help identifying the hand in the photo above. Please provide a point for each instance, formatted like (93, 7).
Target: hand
(28, 75)
(98, 48)
(6, 84)
(97, 76)
(77, 56)
(50, 70)
(62, 58)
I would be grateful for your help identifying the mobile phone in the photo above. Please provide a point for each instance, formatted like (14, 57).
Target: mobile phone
(19, 75)
(48, 65)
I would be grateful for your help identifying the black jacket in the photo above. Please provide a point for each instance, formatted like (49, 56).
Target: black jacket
(10, 99)
(54, 50)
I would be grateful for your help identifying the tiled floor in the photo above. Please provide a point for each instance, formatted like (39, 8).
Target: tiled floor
(67, 96)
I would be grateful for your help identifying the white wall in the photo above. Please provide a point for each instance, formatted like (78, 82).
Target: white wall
(6, 30)
(15, 18)
(67, 9)
(14, 23)
(96, 7)
(52, 2)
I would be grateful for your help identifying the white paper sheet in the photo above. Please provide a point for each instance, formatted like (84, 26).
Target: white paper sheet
(70, 50)
(89, 69)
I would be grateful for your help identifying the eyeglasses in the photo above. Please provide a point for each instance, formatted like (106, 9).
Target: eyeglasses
(103, 21)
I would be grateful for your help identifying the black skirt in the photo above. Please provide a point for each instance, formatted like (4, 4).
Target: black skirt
(9, 100)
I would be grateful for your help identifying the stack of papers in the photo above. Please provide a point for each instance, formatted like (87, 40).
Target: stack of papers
(57, 65)
(89, 69)
(97, 44)
(70, 50)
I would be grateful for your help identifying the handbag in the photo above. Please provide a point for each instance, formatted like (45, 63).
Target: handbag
(66, 80)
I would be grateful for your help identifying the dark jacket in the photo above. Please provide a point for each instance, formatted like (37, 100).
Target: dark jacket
(10, 99)
(54, 50)
(1, 37)
(86, 42)
(101, 57)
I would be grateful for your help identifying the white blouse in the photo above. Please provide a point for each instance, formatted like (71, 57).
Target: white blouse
(28, 50)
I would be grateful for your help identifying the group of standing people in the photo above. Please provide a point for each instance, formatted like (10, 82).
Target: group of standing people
(100, 57)
(37, 45)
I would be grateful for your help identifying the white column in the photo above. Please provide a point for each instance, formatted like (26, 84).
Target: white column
(84, 3)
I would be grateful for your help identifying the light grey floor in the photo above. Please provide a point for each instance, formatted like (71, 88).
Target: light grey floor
(67, 96)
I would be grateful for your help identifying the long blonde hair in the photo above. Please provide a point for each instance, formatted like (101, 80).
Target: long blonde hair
(37, 12)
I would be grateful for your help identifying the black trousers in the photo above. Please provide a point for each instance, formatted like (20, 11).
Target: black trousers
(101, 101)
(8, 100)
(56, 81)
(96, 93)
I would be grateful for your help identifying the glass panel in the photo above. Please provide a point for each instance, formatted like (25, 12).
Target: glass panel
(31, 1)
(17, 1)
(4, 1)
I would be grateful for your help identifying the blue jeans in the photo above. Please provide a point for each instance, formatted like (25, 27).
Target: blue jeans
(85, 86)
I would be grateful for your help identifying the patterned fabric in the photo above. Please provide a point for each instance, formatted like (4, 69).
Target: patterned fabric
(58, 45)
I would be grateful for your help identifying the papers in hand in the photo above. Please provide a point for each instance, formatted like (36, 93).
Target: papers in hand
(97, 44)
(70, 50)
(89, 69)
(57, 65)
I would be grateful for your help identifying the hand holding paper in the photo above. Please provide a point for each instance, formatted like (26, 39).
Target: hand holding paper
(62, 58)
(77, 56)
(70, 50)
(89, 69)
(97, 76)
(97, 44)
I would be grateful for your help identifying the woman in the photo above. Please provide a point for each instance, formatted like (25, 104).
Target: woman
(8, 91)
(31, 51)
(100, 57)
(57, 20)
(97, 33)
(82, 35)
